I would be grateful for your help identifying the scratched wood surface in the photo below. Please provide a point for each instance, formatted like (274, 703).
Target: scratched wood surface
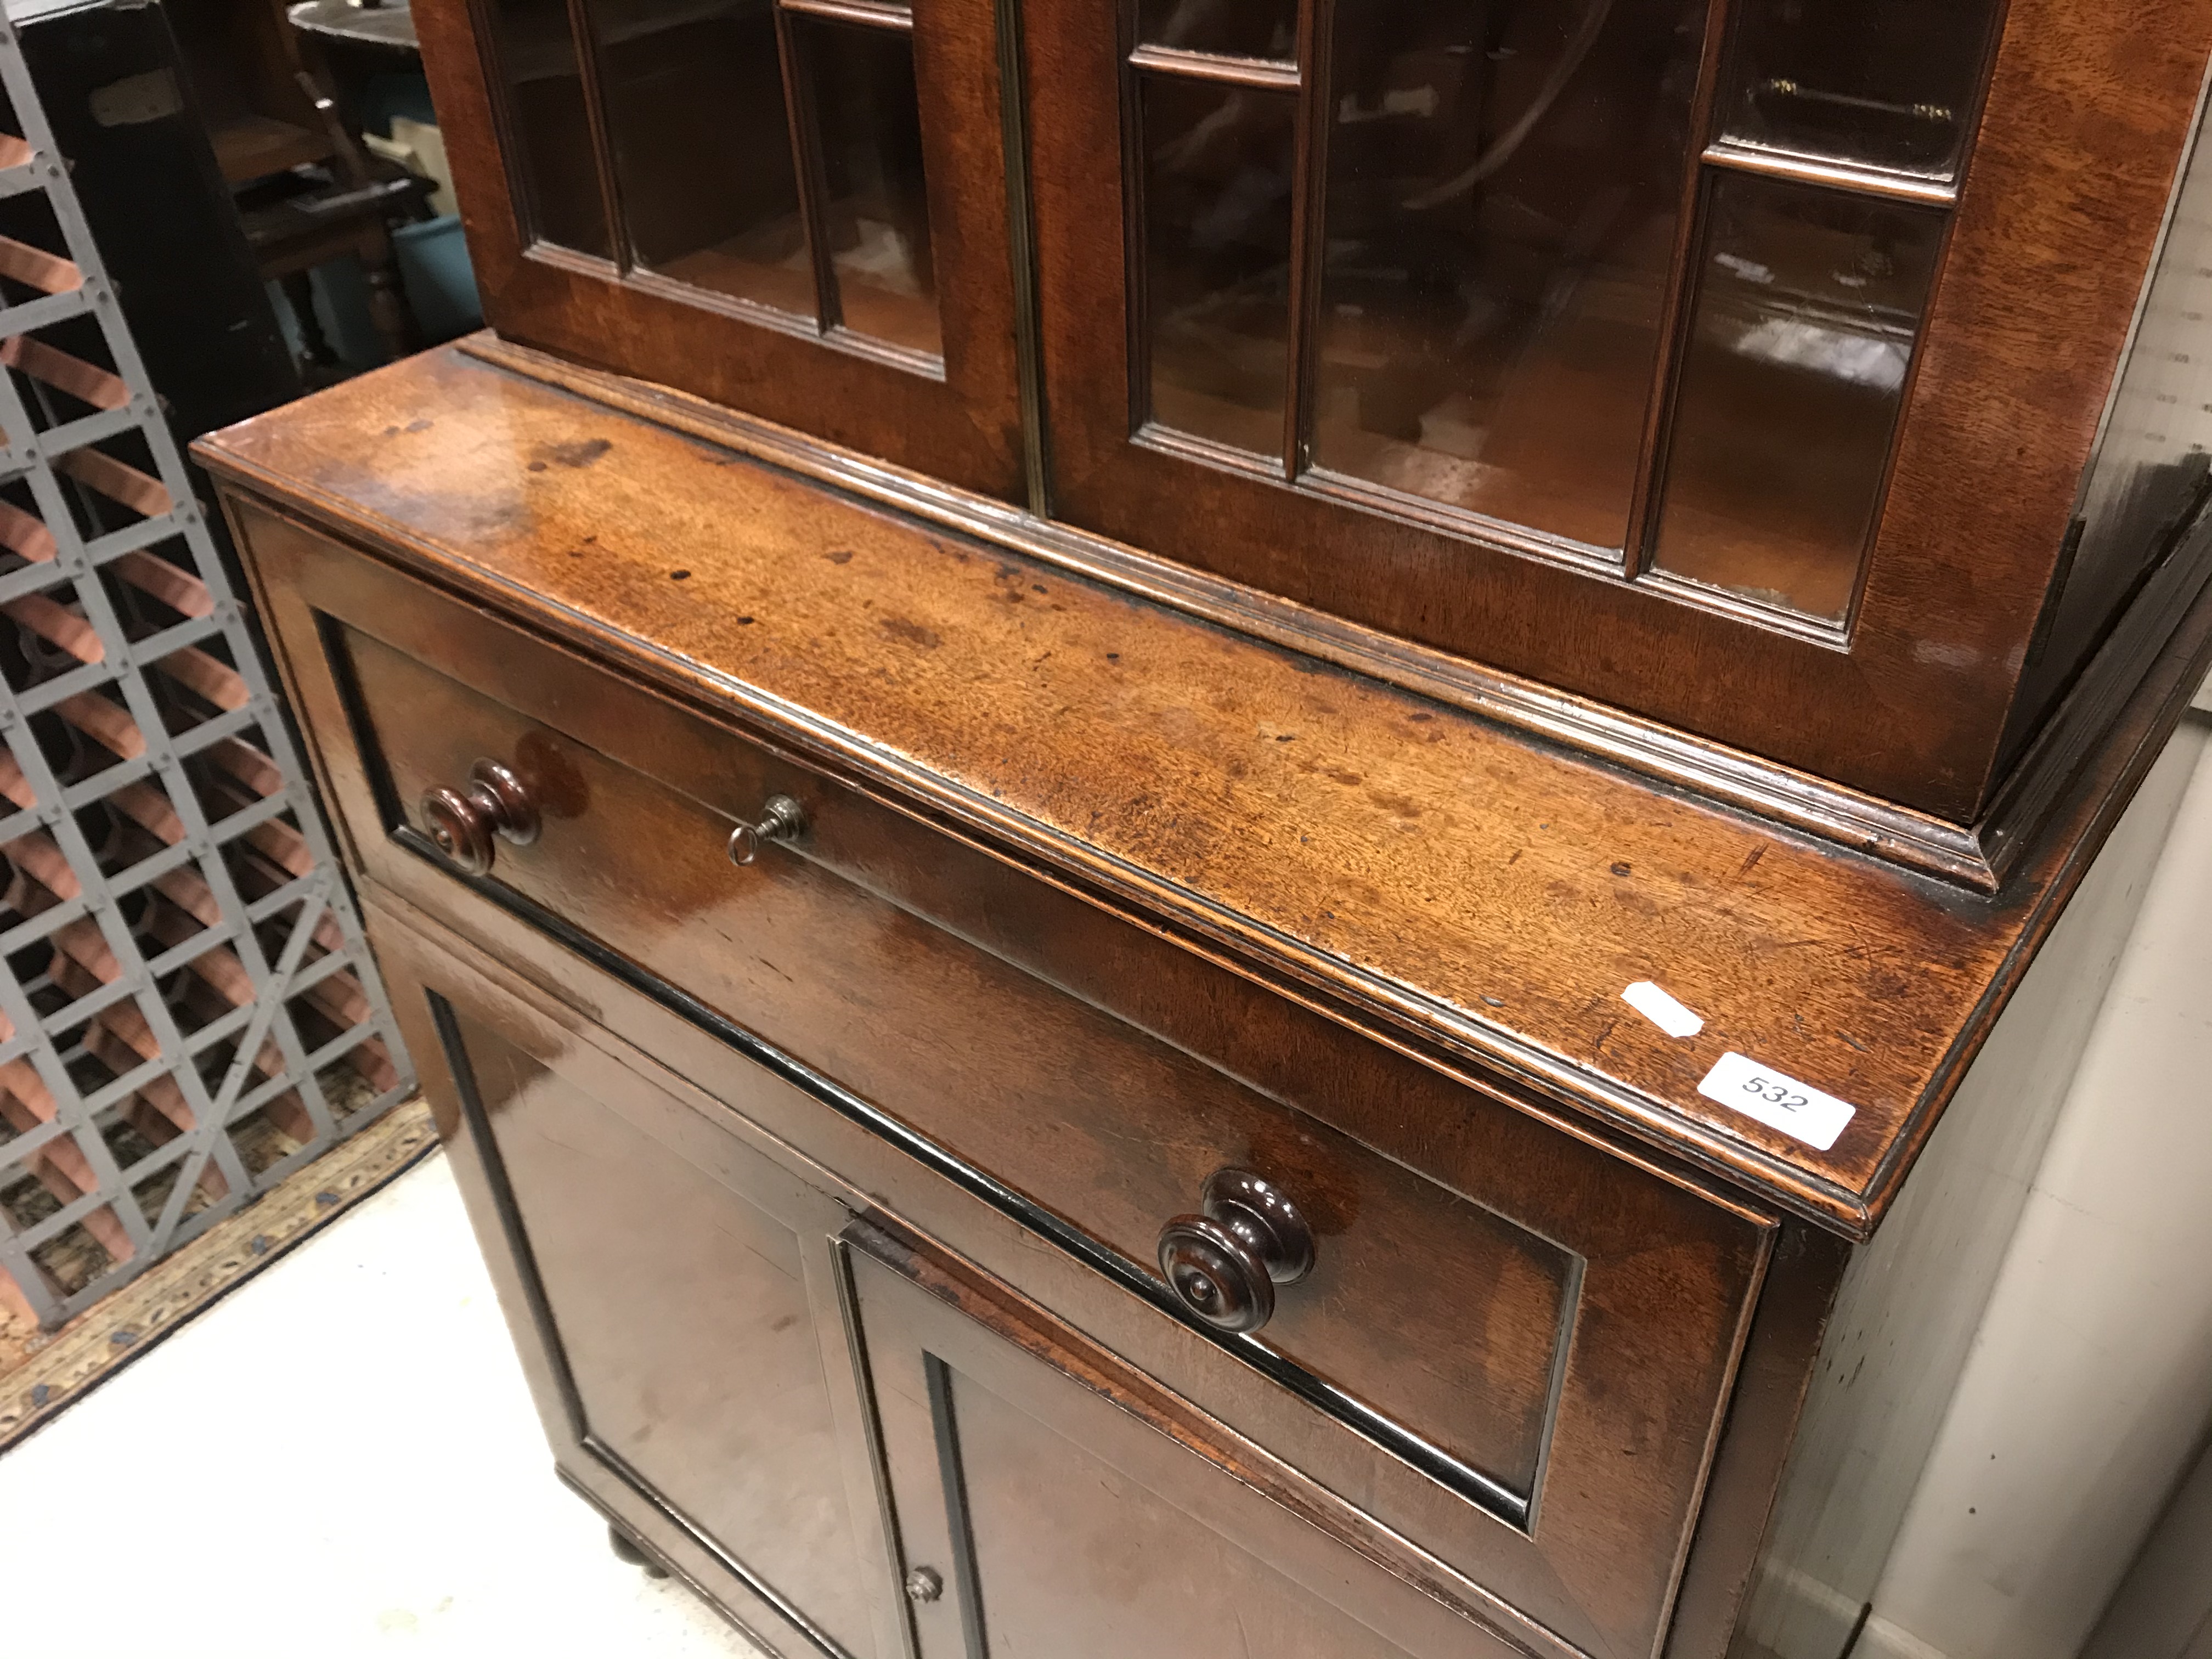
(1490, 895)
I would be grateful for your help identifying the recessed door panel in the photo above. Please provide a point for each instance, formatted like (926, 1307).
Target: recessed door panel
(669, 1304)
(1054, 1506)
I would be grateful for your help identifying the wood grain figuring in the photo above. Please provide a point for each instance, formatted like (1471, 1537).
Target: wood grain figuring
(1489, 896)
(1556, 1270)
(869, 842)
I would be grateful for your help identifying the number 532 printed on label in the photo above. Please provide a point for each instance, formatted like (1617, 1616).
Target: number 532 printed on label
(1780, 1102)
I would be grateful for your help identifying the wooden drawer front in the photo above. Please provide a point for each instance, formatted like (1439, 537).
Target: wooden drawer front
(1543, 1330)
(1099, 1124)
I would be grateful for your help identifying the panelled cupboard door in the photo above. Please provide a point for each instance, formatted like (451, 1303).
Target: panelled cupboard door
(673, 1293)
(1053, 1505)
(796, 208)
(1648, 349)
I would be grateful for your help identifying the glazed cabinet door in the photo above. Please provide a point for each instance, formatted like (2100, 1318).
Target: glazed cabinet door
(671, 1291)
(1054, 1505)
(795, 208)
(1622, 344)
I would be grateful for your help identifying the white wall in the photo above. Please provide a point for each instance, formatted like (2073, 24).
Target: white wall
(2089, 1383)
(2164, 1609)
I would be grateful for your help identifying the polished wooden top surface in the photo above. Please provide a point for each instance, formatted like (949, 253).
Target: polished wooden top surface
(1415, 865)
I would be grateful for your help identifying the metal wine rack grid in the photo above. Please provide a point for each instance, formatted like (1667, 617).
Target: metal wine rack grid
(188, 1011)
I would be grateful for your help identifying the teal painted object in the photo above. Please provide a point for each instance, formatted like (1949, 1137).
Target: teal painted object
(441, 287)
(441, 284)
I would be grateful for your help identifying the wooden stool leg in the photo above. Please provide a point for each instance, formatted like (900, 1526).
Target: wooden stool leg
(315, 348)
(388, 310)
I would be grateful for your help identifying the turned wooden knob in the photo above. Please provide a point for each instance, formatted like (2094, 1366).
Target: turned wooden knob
(1224, 1264)
(463, 822)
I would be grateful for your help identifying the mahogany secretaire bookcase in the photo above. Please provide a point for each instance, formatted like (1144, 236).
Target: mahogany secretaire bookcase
(1203, 819)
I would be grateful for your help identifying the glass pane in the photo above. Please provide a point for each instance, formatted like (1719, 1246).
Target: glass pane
(701, 150)
(1503, 185)
(1217, 182)
(549, 135)
(1886, 82)
(876, 212)
(1807, 309)
(1240, 28)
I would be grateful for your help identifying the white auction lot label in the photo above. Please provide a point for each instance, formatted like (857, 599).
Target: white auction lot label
(1779, 1100)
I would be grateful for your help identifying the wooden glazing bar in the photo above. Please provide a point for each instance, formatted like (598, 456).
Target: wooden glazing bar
(1272, 74)
(1136, 309)
(1651, 457)
(1021, 237)
(595, 114)
(1309, 233)
(806, 154)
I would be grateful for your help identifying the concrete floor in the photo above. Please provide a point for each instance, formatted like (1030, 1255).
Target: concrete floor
(340, 1458)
